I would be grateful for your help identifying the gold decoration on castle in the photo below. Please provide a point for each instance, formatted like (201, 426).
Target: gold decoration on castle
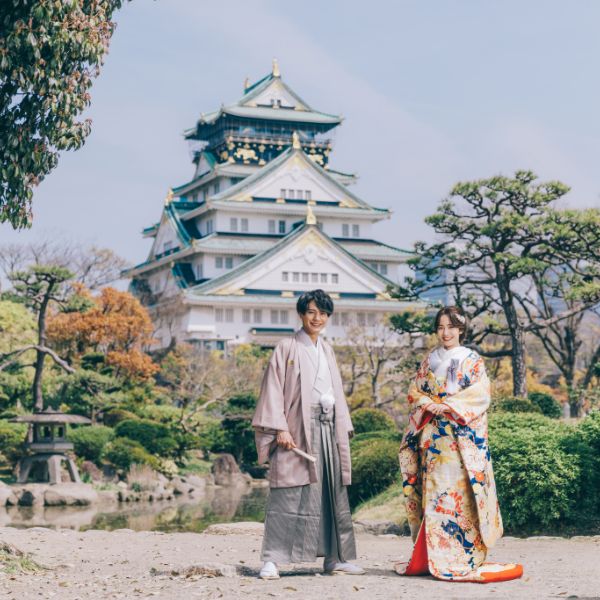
(169, 197)
(275, 71)
(310, 216)
(296, 141)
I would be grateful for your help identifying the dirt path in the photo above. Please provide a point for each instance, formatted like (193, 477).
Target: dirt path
(127, 565)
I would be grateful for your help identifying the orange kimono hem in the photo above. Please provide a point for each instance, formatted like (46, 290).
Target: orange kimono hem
(488, 572)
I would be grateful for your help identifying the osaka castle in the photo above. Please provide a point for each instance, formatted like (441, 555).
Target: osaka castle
(263, 219)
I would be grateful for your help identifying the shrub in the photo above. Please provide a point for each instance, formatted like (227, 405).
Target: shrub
(510, 404)
(374, 468)
(142, 477)
(372, 419)
(12, 436)
(546, 403)
(156, 438)
(123, 453)
(114, 416)
(89, 442)
(394, 436)
(538, 481)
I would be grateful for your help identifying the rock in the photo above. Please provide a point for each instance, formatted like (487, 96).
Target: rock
(7, 495)
(122, 485)
(196, 482)
(227, 472)
(242, 528)
(92, 470)
(30, 496)
(381, 528)
(179, 486)
(70, 494)
(208, 569)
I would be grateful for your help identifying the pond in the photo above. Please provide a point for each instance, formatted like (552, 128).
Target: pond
(218, 505)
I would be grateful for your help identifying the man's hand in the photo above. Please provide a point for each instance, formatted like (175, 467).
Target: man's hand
(437, 409)
(285, 440)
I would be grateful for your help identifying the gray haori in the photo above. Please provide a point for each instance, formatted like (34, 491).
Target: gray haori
(312, 520)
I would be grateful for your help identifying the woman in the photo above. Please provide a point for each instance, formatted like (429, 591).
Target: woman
(448, 481)
(302, 426)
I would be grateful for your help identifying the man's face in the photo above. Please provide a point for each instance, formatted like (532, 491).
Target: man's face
(314, 320)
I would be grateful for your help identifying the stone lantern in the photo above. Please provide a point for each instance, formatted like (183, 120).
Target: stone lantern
(47, 440)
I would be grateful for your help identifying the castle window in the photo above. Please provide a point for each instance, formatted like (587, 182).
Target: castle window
(246, 315)
(244, 225)
(323, 277)
(281, 226)
(300, 194)
(271, 226)
(307, 195)
(219, 315)
(285, 276)
(282, 193)
(304, 277)
(335, 278)
(216, 187)
(345, 319)
(233, 224)
(218, 262)
(355, 231)
(275, 317)
(345, 230)
(283, 317)
(314, 278)
(383, 269)
(291, 195)
(229, 315)
(199, 271)
(229, 262)
(371, 319)
(296, 277)
(335, 319)
(257, 315)
(209, 226)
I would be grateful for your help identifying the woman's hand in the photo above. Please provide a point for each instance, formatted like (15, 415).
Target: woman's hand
(285, 440)
(437, 409)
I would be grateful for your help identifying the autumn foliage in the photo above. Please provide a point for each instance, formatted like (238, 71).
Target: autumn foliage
(115, 324)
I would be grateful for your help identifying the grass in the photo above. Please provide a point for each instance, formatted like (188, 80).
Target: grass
(13, 561)
(386, 506)
(196, 466)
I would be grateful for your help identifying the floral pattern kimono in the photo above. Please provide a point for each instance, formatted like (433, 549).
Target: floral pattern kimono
(448, 480)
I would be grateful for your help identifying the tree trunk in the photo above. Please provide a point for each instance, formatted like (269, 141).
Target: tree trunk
(38, 400)
(517, 335)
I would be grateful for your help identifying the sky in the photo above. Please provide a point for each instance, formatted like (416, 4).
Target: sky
(431, 93)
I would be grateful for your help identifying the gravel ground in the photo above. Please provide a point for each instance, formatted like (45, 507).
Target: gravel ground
(128, 565)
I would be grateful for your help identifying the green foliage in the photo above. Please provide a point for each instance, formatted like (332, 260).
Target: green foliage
(51, 51)
(511, 404)
(15, 389)
(12, 436)
(84, 393)
(123, 452)
(372, 419)
(114, 416)
(156, 438)
(546, 403)
(394, 436)
(374, 468)
(233, 434)
(17, 326)
(538, 480)
(89, 442)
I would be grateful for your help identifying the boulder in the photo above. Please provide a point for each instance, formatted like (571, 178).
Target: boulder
(7, 495)
(381, 527)
(92, 470)
(207, 569)
(70, 494)
(227, 472)
(30, 496)
(242, 528)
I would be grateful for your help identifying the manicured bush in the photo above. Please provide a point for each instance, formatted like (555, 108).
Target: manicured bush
(511, 404)
(123, 452)
(12, 436)
(374, 468)
(114, 416)
(89, 442)
(372, 419)
(156, 438)
(394, 436)
(538, 480)
(546, 403)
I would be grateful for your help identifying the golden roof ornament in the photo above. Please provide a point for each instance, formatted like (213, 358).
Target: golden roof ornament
(310, 216)
(169, 197)
(275, 71)
(296, 141)
(246, 83)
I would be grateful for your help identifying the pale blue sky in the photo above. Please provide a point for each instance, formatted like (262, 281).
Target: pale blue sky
(431, 92)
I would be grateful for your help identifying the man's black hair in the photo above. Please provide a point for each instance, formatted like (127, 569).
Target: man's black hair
(319, 297)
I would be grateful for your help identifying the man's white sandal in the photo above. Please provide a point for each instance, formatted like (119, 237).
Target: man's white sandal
(345, 568)
(269, 571)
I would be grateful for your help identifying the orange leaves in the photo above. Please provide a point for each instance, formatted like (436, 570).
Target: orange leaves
(116, 325)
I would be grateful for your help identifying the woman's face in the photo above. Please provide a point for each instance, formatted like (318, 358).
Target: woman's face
(448, 334)
(314, 320)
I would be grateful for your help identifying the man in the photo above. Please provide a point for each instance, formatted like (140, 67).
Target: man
(302, 410)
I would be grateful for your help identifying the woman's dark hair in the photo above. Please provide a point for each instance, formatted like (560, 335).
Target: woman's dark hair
(457, 318)
(319, 297)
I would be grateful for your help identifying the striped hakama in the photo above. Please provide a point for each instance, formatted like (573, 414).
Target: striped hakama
(312, 520)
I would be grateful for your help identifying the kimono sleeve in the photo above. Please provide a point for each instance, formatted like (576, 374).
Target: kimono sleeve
(473, 398)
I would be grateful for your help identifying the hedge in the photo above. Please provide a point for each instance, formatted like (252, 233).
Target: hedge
(372, 419)
(89, 442)
(155, 437)
(123, 453)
